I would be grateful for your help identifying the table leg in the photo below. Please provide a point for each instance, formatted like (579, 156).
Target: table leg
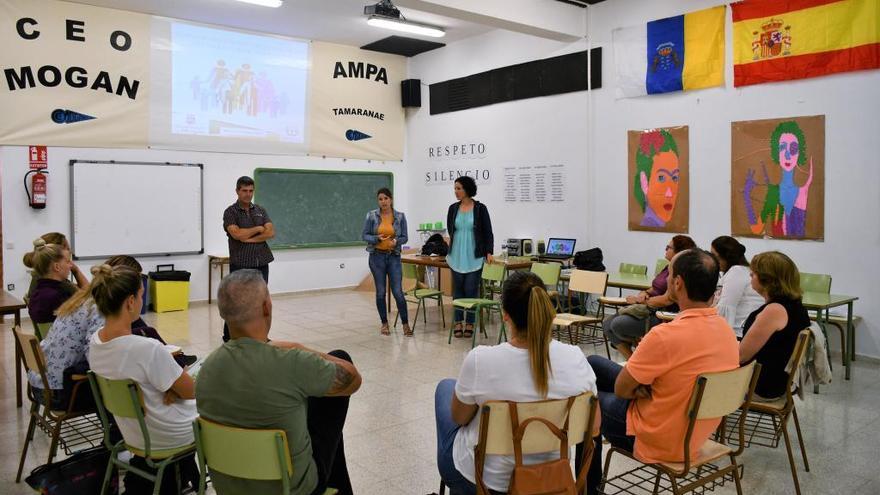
(849, 352)
(210, 274)
(19, 361)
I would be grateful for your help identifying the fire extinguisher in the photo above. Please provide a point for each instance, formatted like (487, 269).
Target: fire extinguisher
(37, 192)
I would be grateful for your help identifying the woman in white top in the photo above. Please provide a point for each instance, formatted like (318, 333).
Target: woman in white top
(735, 299)
(168, 390)
(531, 367)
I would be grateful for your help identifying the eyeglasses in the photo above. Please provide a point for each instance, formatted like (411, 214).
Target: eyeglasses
(670, 247)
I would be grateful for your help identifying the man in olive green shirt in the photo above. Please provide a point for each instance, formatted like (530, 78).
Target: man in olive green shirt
(251, 382)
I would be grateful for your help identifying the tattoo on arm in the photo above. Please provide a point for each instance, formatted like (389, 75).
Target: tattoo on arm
(342, 380)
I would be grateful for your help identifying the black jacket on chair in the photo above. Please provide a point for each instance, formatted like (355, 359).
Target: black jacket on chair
(484, 240)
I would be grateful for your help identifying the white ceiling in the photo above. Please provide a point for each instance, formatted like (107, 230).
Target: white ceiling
(338, 21)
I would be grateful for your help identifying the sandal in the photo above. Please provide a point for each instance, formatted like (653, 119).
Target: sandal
(468, 331)
(407, 331)
(385, 330)
(457, 333)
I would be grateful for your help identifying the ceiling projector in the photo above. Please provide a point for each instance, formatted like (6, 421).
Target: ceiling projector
(384, 8)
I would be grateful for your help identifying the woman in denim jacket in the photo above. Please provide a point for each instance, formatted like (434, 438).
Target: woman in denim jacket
(384, 233)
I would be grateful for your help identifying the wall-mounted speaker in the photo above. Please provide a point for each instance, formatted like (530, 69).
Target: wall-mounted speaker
(411, 93)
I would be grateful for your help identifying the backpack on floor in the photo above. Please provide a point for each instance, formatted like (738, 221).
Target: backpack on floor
(81, 473)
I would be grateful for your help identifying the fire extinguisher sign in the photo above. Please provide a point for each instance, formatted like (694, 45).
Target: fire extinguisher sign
(38, 157)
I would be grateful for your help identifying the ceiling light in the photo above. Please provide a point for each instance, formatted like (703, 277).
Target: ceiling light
(405, 26)
(265, 3)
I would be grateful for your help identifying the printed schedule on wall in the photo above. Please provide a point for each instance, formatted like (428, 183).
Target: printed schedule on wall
(534, 184)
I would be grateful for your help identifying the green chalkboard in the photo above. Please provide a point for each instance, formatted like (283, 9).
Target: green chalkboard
(318, 208)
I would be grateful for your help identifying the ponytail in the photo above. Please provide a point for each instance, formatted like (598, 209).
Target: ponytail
(112, 286)
(41, 258)
(526, 302)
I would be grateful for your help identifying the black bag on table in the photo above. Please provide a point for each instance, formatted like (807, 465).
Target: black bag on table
(591, 259)
(82, 473)
(435, 245)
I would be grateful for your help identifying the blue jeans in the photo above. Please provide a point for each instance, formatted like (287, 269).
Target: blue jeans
(613, 417)
(446, 430)
(384, 265)
(465, 285)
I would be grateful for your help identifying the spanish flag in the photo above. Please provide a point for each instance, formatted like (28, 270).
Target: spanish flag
(778, 40)
(677, 53)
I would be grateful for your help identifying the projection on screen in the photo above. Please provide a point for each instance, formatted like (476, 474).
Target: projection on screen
(231, 84)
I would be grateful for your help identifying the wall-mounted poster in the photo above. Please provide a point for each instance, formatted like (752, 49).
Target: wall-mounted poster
(778, 178)
(657, 182)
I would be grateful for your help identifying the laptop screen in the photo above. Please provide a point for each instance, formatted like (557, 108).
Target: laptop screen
(563, 247)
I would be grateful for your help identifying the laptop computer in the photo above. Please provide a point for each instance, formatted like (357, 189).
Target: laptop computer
(559, 249)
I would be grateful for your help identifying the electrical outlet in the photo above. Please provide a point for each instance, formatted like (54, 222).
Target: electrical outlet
(10, 287)
(10, 245)
(342, 266)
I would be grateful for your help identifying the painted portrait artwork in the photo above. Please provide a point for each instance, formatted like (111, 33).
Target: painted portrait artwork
(778, 178)
(657, 179)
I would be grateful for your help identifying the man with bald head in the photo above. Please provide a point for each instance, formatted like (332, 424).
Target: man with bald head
(644, 402)
(254, 382)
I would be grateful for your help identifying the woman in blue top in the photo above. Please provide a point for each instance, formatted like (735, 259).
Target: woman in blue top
(470, 243)
(384, 233)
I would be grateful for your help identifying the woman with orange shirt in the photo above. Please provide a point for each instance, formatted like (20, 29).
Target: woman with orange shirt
(385, 232)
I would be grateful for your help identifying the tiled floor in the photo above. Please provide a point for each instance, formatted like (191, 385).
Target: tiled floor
(389, 436)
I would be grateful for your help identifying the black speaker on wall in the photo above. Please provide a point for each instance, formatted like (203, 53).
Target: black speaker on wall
(411, 93)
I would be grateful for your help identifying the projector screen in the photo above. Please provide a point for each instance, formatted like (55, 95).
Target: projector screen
(135, 208)
(224, 90)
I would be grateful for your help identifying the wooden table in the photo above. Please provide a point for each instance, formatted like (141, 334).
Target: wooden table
(218, 261)
(11, 305)
(822, 303)
(623, 280)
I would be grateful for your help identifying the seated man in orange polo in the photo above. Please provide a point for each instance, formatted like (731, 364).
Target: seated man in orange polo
(644, 402)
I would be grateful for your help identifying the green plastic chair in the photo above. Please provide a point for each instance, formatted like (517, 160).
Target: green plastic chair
(661, 264)
(549, 274)
(247, 453)
(411, 272)
(635, 270)
(492, 273)
(41, 330)
(821, 283)
(123, 399)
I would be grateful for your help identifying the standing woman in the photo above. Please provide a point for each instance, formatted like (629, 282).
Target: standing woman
(470, 243)
(384, 233)
(51, 267)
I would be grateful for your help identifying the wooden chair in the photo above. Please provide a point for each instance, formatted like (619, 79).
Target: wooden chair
(715, 395)
(493, 273)
(254, 454)
(70, 429)
(633, 269)
(549, 274)
(418, 295)
(767, 422)
(123, 399)
(496, 435)
(585, 282)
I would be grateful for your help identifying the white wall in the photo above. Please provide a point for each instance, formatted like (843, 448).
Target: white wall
(851, 104)
(292, 270)
(538, 131)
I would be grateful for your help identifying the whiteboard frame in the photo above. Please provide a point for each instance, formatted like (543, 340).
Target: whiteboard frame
(201, 167)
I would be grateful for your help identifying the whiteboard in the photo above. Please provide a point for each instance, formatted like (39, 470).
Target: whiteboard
(135, 208)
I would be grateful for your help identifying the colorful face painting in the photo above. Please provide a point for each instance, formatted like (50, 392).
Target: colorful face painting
(657, 180)
(779, 181)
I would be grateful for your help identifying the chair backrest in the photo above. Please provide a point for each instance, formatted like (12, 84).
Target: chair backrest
(661, 264)
(493, 272)
(588, 282)
(243, 452)
(41, 330)
(816, 282)
(410, 271)
(798, 355)
(635, 269)
(721, 393)
(548, 273)
(122, 398)
(30, 351)
(497, 436)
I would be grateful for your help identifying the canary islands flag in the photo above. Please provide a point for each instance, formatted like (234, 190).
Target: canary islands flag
(672, 54)
(778, 40)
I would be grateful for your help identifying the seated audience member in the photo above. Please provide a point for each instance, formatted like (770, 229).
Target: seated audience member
(735, 298)
(643, 403)
(252, 382)
(167, 389)
(530, 367)
(59, 239)
(51, 266)
(623, 329)
(771, 331)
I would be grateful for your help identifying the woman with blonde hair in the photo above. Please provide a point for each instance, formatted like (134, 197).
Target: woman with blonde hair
(167, 389)
(530, 367)
(61, 240)
(51, 267)
(770, 332)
